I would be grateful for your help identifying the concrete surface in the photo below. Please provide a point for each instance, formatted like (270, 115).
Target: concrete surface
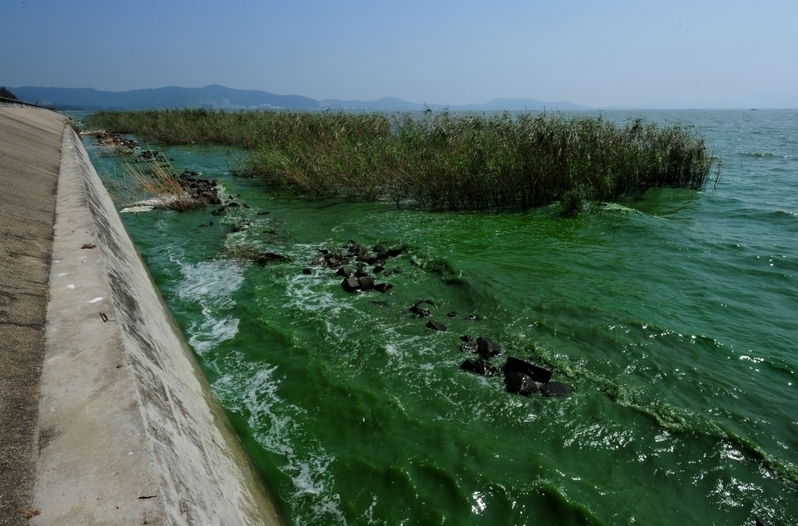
(30, 141)
(128, 432)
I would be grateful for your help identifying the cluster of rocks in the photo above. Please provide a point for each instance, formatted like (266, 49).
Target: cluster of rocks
(420, 311)
(152, 156)
(520, 377)
(205, 190)
(106, 138)
(357, 278)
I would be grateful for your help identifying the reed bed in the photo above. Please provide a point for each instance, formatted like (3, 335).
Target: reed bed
(441, 160)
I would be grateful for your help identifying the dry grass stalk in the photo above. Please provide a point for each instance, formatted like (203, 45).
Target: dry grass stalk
(163, 186)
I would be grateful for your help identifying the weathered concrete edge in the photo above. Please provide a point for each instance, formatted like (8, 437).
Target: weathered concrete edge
(183, 455)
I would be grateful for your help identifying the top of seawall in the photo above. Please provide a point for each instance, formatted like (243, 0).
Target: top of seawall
(105, 416)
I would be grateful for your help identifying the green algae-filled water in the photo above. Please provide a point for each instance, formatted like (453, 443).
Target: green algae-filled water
(674, 319)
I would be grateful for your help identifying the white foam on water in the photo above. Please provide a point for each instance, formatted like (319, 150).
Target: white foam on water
(211, 331)
(211, 284)
(251, 389)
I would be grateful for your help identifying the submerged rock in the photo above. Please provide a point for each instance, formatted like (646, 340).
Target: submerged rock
(266, 257)
(555, 389)
(436, 326)
(383, 287)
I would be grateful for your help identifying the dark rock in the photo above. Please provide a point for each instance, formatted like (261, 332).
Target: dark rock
(379, 249)
(555, 389)
(378, 269)
(452, 314)
(307, 270)
(479, 366)
(519, 383)
(393, 252)
(219, 211)
(366, 282)
(381, 303)
(420, 313)
(487, 348)
(351, 245)
(469, 347)
(538, 374)
(351, 284)
(383, 287)
(233, 204)
(324, 251)
(382, 256)
(436, 326)
(472, 317)
(360, 273)
(465, 338)
(263, 213)
(317, 261)
(344, 271)
(397, 270)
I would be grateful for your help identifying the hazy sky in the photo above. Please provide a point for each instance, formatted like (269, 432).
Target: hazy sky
(683, 53)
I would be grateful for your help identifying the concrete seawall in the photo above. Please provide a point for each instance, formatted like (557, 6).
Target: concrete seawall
(129, 432)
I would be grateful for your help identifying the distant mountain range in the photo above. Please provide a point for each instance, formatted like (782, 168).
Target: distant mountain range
(221, 97)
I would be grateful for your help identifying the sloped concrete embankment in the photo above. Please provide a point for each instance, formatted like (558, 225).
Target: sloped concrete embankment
(129, 431)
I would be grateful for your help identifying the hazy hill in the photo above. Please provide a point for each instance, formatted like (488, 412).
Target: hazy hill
(213, 96)
(221, 97)
(5, 94)
(383, 104)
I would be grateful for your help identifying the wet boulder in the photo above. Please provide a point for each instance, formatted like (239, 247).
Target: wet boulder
(350, 284)
(469, 347)
(487, 348)
(452, 314)
(555, 389)
(519, 383)
(479, 366)
(344, 271)
(536, 373)
(366, 282)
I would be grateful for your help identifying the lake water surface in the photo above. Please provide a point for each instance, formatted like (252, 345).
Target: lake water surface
(674, 319)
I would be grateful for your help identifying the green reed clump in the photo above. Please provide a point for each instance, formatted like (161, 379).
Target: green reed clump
(440, 160)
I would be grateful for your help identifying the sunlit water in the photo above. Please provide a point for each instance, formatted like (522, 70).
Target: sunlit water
(673, 318)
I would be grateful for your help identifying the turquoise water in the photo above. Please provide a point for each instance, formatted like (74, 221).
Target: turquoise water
(672, 318)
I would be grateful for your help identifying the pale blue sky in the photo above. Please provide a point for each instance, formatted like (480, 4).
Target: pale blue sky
(683, 53)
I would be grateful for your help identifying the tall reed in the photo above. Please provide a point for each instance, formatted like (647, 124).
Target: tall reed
(441, 160)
